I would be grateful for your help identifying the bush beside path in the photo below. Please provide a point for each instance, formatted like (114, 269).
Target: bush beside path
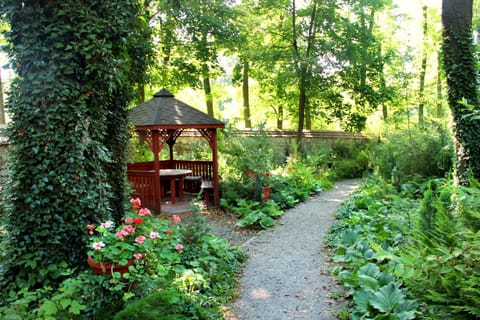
(286, 276)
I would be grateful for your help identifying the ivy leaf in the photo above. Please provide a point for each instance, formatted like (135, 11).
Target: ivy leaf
(76, 307)
(387, 298)
(48, 308)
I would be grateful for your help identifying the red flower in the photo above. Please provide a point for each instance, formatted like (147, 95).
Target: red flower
(90, 227)
(168, 232)
(138, 220)
(136, 207)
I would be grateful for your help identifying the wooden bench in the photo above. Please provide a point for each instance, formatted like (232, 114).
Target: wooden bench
(192, 184)
(207, 186)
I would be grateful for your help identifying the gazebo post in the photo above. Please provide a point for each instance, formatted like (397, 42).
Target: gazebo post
(156, 168)
(216, 194)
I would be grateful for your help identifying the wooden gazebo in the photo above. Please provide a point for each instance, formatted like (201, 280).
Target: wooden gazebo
(159, 121)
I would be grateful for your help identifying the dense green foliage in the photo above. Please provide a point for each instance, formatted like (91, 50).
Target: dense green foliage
(406, 243)
(409, 253)
(194, 282)
(372, 225)
(76, 64)
(252, 165)
(403, 155)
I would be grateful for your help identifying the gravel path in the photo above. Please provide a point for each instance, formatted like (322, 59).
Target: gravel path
(286, 275)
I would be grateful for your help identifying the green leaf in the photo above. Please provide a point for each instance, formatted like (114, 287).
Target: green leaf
(76, 307)
(387, 298)
(48, 308)
(367, 282)
(266, 221)
(361, 299)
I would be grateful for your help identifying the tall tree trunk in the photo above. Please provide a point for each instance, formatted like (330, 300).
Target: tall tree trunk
(421, 91)
(384, 112)
(301, 113)
(303, 69)
(461, 75)
(308, 117)
(141, 93)
(207, 90)
(439, 85)
(280, 118)
(2, 101)
(246, 95)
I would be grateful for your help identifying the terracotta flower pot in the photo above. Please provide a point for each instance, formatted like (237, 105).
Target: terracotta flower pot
(108, 268)
(266, 194)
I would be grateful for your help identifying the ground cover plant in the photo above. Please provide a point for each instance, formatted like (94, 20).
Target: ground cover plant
(192, 274)
(411, 253)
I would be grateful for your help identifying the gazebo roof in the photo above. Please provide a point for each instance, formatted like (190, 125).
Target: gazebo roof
(163, 111)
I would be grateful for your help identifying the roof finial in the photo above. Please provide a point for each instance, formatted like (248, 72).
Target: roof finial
(163, 93)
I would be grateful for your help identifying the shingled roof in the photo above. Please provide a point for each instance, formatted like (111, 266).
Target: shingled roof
(163, 111)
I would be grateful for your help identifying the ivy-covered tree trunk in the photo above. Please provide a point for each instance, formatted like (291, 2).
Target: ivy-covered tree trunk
(2, 102)
(76, 62)
(461, 74)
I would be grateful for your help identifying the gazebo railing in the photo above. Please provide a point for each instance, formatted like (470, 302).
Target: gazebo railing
(142, 177)
(143, 185)
(202, 169)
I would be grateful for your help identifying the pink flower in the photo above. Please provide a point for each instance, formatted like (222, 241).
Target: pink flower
(107, 224)
(179, 247)
(176, 218)
(144, 212)
(121, 234)
(136, 201)
(129, 229)
(140, 239)
(98, 245)
(154, 235)
(129, 220)
(90, 227)
(138, 256)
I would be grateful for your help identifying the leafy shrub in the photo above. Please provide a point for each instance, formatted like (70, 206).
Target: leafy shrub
(404, 257)
(253, 213)
(403, 155)
(341, 159)
(245, 154)
(205, 279)
(442, 262)
(167, 304)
